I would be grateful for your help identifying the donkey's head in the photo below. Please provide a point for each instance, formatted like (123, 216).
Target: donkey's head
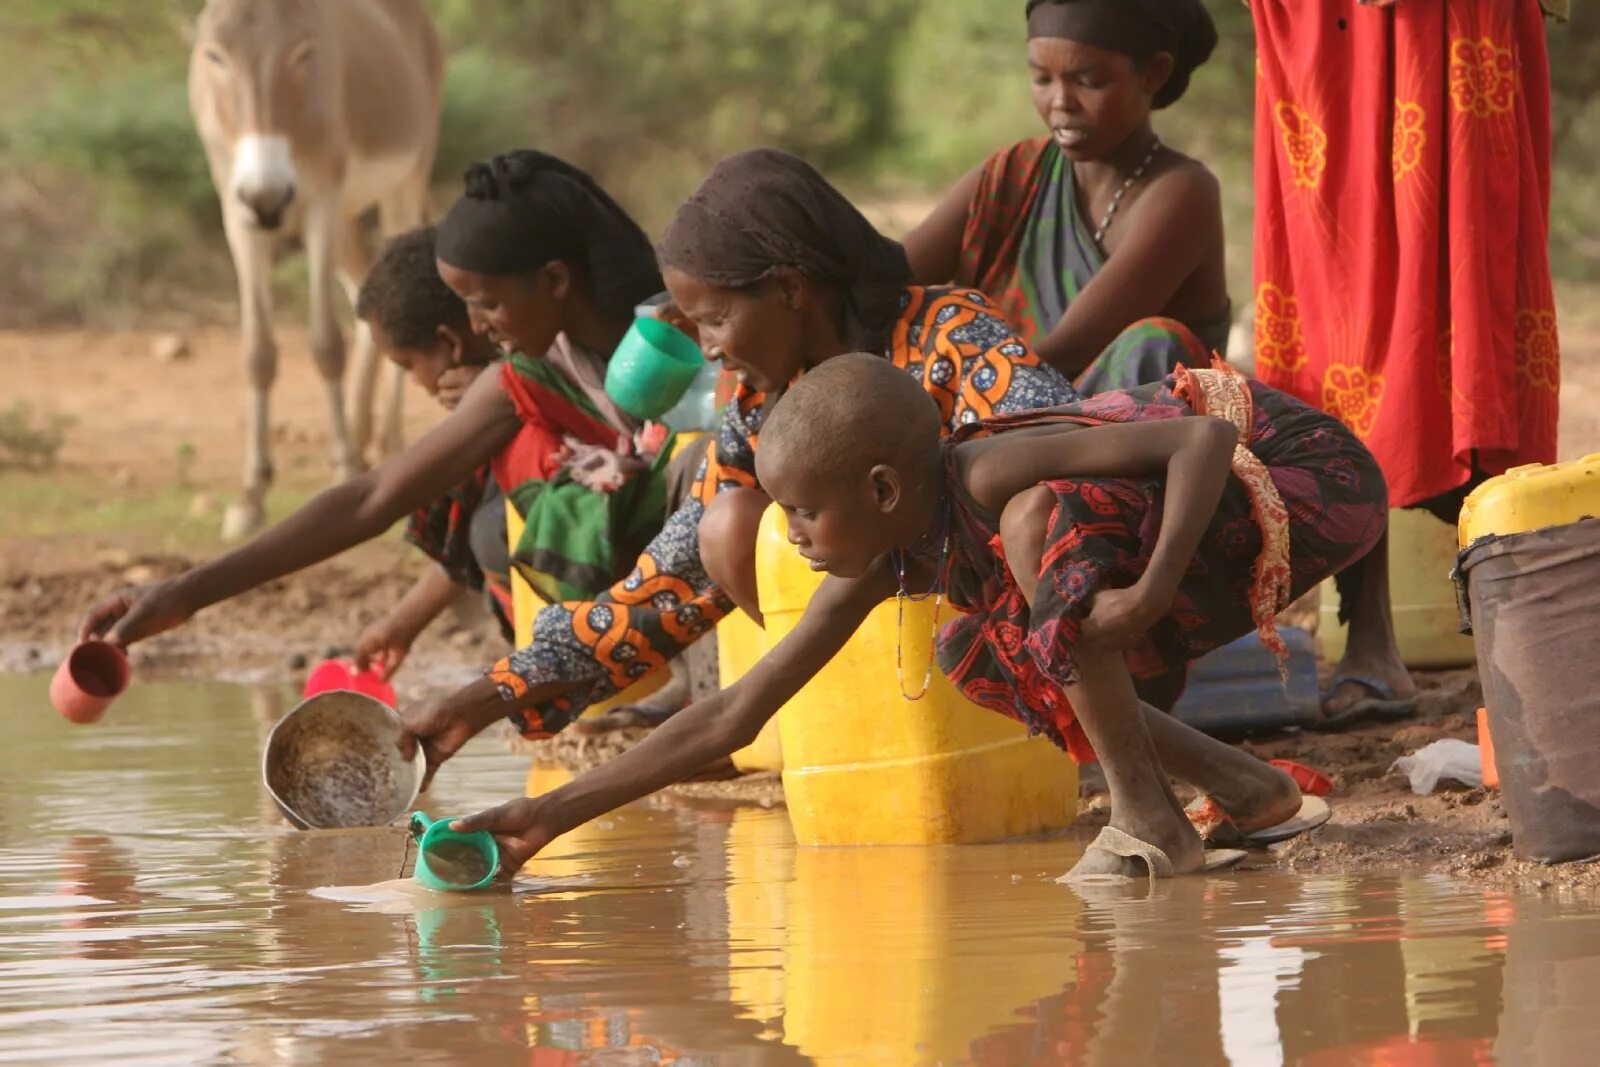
(254, 67)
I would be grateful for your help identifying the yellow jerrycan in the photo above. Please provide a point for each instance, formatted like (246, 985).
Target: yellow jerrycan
(864, 766)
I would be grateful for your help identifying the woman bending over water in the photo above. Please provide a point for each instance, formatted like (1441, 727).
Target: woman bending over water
(551, 268)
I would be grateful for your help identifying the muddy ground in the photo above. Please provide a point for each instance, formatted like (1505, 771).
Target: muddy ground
(151, 457)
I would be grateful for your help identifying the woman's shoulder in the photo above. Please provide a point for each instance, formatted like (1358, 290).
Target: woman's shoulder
(1183, 176)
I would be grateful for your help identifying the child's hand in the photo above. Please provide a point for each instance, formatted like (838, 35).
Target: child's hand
(453, 384)
(518, 827)
(383, 646)
(1121, 618)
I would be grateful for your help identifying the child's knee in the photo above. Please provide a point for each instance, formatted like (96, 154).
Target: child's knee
(1022, 530)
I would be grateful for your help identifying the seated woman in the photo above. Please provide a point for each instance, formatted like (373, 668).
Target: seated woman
(1089, 546)
(779, 273)
(550, 268)
(1082, 233)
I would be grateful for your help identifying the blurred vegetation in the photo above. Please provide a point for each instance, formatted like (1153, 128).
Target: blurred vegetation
(109, 212)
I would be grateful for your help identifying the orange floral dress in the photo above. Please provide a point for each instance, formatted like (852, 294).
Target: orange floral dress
(1402, 223)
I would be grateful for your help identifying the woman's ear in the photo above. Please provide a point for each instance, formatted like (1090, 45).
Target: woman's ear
(1157, 71)
(794, 286)
(559, 277)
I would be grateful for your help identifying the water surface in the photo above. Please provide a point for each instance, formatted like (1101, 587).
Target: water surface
(155, 909)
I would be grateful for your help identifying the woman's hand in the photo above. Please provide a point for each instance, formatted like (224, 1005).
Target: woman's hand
(131, 615)
(453, 384)
(385, 646)
(442, 725)
(521, 828)
(1121, 618)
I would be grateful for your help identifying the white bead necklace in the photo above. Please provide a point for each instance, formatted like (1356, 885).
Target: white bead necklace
(1116, 200)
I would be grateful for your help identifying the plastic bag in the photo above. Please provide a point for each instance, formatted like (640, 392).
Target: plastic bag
(1456, 760)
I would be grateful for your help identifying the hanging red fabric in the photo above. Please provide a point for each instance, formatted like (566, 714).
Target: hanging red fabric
(1402, 226)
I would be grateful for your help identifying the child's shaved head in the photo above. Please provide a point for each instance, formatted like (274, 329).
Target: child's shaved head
(851, 455)
(848, 415)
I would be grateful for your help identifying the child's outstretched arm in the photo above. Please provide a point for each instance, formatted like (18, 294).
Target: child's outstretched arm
(705, 731)
(1195, 453)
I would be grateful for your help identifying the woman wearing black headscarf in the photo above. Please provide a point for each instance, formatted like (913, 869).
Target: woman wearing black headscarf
(1083, 232)
(551, 268)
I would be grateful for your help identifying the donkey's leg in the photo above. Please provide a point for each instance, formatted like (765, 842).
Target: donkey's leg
(354, 261)
(251, 249)
(323, 219)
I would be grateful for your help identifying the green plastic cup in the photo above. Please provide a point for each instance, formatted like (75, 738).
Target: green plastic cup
(652, 368)
(452, 862)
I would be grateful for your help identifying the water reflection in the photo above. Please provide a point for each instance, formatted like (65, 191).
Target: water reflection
(154, 907)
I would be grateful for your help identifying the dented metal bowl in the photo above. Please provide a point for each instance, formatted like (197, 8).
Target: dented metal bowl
(331, 763)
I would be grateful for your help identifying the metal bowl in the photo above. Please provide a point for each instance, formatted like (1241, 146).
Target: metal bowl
(332, 763)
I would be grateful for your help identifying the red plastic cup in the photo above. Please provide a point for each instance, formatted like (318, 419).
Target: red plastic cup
(93, 675)
(333, 674)
(1312, 783)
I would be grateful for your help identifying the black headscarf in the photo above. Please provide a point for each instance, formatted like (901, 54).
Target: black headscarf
(1138, 28)
(526, 208)
(764, 209)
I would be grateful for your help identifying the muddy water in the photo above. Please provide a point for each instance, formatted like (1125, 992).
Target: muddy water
(153, 908)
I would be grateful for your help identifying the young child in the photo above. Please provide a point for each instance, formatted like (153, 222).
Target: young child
(1095, 549)
(423, 327)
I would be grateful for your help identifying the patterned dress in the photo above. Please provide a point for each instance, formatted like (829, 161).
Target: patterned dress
(1306, 501)
(953, 341)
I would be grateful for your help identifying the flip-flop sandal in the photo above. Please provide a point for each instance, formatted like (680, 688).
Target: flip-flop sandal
(1217, 828)
(1157, 862)
(1383, 704)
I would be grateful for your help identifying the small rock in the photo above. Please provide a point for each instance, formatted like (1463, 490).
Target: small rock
(117, 558)
(681, 862)
(139, 574)
(297, 661)
(606, 825)
(1540, 883)
(170, 348)
(1016, 878)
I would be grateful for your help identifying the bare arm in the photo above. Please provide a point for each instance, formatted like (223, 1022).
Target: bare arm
(1195, 453)
(934, 247)
(333, 521)
(387, 642)
(705, 731)
(1170, 233)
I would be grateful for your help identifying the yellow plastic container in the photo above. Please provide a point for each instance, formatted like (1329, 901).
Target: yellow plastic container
(864, 766)
(1530, 498)
(1422, 553)
(740, 643)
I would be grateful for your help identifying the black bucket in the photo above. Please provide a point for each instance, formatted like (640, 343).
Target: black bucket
(1534, 609)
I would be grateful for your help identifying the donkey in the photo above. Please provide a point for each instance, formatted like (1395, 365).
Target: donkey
(311, 112)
